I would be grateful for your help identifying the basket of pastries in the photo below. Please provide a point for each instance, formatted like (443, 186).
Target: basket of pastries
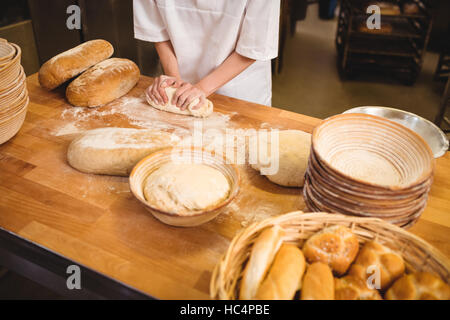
(322, 256)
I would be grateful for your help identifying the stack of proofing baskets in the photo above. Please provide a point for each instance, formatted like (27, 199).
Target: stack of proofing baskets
(363, 165)
(13, 91)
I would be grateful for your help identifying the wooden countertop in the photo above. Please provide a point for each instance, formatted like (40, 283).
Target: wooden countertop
(95, 220)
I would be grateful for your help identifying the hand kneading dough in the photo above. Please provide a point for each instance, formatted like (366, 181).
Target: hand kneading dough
(115, 151)
(185, 188)
(294, 147)
(203, 111)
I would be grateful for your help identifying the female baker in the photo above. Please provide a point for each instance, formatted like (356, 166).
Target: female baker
(208, 46)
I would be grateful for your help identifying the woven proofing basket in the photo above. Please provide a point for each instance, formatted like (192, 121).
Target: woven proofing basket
(418, 254)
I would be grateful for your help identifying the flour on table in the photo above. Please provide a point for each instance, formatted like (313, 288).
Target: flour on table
(137, 112)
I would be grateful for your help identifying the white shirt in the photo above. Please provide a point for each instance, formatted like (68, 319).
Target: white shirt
(205, 32)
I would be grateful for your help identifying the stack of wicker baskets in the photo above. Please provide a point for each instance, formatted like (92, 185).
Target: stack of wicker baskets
(13, 91)
(368, 166)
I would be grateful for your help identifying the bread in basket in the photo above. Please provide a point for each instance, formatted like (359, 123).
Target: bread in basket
(298, 226)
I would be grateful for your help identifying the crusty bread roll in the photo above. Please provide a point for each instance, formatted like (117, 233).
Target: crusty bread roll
(261, 257)
(390, 264)
(71, 63)
(103, 83)
(318, 283)
(203, 111)
(115, 151)
(353, 288)
(419, 286)
(336, 246)
(284, 277)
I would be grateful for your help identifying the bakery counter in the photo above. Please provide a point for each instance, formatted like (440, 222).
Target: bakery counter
(52, 216)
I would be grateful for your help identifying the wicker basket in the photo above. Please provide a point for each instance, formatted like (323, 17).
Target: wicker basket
(299, 226)
(10, 127)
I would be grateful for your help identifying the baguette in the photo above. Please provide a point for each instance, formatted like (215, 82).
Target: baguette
(103, 83)
(71, 63)
(285, 275)
(318, 283)
(261, 257)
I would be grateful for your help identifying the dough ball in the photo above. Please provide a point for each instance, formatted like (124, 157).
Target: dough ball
(294, 148)
(204, 111)
(185, 189)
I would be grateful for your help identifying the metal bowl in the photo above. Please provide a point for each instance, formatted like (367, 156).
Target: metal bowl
(434, 136)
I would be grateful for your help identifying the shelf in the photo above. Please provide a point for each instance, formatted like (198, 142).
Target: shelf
(401, 28)
(385, 47)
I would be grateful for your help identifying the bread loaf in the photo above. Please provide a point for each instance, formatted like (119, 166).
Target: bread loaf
(115, 151)
(419, 286)
(389, 264)
(71, 63)
(336, 246)
(285, 275)
(103, 83)
(353, 288)
(263, 252)
(318, 283)
(203, 111)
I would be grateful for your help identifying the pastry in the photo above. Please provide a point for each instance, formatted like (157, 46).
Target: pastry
(419, 286)
(284, 276)
(261, 257)
(390, 264)
(318, 283)
(353, 288)
(336, 246)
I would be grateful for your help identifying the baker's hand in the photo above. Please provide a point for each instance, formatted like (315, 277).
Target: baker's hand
(156, 91)
(187, 93)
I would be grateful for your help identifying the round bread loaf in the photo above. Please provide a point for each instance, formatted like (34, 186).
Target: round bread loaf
(72, 62)
(103, 83)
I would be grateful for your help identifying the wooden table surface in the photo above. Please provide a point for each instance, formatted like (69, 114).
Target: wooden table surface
(94, 220)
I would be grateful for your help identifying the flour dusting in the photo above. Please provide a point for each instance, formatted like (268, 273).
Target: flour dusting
(135, 112)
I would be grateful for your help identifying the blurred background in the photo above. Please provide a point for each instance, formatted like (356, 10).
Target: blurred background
(328, 60)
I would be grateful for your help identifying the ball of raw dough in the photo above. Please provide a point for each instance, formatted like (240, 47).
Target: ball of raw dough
(203, 111)
(293, 153)
(185, 189)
